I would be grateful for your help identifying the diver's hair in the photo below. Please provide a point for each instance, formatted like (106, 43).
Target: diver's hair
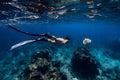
(18, 30)
(68, 38)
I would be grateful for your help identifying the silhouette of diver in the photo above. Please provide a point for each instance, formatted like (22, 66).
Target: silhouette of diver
(44, 37)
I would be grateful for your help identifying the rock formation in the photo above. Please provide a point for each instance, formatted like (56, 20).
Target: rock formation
(84, 64)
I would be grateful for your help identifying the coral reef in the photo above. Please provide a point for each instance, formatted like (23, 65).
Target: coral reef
(41, 68)
(84, 64)
(59, 63)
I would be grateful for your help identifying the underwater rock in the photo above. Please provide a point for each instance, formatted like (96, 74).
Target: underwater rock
(50, 75)
(42, 68)
(40, 62)
(41, 65)
(54, 75)
(56, 64)
(35, 76)
(84, 64)
(42, 54)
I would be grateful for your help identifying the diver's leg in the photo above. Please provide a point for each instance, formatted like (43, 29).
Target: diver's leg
(46, 39)
(31, 41)
(48, 35)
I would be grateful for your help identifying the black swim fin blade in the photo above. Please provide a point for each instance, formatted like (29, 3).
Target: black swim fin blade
(18, 30)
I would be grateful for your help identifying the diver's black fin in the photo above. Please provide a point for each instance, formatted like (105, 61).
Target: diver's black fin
(16, 29)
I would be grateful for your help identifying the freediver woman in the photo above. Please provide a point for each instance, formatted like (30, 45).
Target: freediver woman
(44, 37)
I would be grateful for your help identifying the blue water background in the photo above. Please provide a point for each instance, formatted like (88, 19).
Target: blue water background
(103, 30)
(102, 34)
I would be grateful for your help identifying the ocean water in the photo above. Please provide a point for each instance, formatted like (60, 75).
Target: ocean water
(98, 20)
